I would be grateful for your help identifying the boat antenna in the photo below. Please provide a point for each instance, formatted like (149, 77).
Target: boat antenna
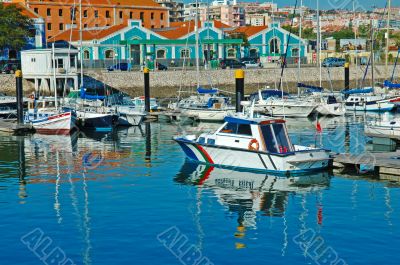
(287, 48)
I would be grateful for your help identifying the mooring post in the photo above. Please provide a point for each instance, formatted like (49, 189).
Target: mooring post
(19, 93)
(146, 72)
(239, 77)
(346, 76)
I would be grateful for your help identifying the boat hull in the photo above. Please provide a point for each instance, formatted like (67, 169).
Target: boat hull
(336, 109)
(287, 163)
(382, 130)
(62, 123)
(213, 115)
(96, 121)
(371, 106)
(128, 119)
(287, 110)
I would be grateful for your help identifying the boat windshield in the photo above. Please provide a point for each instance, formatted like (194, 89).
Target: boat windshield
(276, 138)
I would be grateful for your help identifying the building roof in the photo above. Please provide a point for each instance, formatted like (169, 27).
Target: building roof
(249, 30)
(87, 34)
(177, 30)
(135, 3)
(24, 10)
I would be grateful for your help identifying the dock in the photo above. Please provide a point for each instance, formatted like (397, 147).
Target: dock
(387, 163)
(12, 127)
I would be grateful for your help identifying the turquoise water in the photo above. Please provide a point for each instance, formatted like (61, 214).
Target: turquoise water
(129, 197)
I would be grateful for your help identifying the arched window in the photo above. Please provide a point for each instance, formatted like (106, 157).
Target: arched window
(185, 53)
(161, 54)
(274, 46)
(231, 53)
(86, 55)
(295, 52)
(109, 54)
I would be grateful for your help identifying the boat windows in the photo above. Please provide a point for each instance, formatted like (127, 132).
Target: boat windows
(276, 138)
(234, 128)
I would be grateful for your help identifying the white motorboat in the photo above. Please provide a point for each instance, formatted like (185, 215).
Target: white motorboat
(206, 106)
(257, 144)
(279, 104)
(370, 99)
(384, 128)
(129, 115)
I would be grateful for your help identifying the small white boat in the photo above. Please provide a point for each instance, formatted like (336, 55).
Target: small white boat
(207, 105)
(385, 129)
(46, 119)
(256, 144)
(279, 104)
(370, 103)
(129, 116)
(47, 122)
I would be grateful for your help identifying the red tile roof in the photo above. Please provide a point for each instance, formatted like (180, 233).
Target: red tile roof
(87, 34)
(24, 10)
(249, 30)
(177, 30)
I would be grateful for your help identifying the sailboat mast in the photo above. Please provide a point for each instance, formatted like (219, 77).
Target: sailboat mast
(355, 36)
(80, 40)
(54, 75)
(196, 29)
(319, 44)
(299, 55)
(372, 55)
(387, 36)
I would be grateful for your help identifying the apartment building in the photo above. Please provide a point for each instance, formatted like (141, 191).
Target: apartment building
(175, 9)
(60, 15)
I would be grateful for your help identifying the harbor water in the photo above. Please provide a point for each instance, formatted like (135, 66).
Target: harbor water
(131, 197)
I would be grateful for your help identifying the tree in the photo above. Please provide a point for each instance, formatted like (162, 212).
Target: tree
(15, 28)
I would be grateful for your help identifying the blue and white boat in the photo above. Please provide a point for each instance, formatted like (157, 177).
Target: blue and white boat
(257, 144)
(206, 105)
(367, 100)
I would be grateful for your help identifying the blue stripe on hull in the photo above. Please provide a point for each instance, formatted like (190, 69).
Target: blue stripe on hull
(188, 151)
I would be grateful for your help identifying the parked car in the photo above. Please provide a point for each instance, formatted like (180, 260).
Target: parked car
(231, 63)
(10, 68)
(252, 64)
(118, 66)
(161, 67)
(333, 62)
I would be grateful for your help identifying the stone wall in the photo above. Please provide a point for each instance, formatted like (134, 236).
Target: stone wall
(167, 83)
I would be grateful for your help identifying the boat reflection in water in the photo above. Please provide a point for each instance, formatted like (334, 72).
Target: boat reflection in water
(248, 193)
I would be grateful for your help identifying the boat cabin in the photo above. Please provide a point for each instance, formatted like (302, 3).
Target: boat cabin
(253, 134)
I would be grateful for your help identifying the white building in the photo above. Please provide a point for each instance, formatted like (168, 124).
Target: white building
(40, 67)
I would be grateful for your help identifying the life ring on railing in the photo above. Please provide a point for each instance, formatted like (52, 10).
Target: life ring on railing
(254, 145)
